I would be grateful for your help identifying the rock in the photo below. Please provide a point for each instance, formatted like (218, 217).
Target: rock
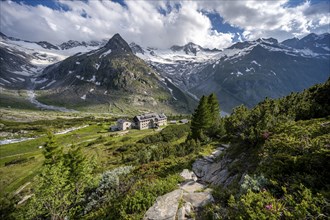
(185, 211)
(165, 207)
(188, 175)
(198, 199)
(191, 186)
(181, 215)
(200, 167)
(210, 170)
(209, 158)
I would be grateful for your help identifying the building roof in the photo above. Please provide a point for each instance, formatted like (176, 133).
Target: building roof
(122, 121)
(149, 116)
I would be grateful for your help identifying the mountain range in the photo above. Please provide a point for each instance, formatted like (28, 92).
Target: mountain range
(128, 77)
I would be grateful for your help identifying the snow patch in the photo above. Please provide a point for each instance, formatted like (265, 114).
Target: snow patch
(49, 84)
(77, 63)
(6, 81)
(105, 53)
(40, 81)
(255, 62)
(83, 97)
(92, 79)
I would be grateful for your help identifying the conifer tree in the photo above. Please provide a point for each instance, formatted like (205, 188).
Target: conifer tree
(201, 119)
(214, 108)
(61, 185)
(214, 114)
(52, 151)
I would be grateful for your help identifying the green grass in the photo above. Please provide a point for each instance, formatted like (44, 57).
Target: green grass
(15, 98)
(93, 138)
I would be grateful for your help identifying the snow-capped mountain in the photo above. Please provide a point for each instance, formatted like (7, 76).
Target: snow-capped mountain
(109, 74)
(21, 59)
(178, 63)
(246, 72)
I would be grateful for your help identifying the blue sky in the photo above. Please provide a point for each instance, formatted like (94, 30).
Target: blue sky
(164, 23)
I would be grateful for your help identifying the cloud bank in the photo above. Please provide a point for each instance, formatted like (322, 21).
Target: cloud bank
(163, 23)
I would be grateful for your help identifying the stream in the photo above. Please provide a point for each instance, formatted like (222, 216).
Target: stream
(33, 100)
(11, 141)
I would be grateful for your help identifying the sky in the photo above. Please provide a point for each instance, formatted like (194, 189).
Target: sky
(161, 24)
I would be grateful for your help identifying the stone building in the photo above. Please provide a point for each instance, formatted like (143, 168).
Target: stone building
(149, 120)
(121, 125)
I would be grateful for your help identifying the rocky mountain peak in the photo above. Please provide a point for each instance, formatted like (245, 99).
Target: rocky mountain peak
(118, 44)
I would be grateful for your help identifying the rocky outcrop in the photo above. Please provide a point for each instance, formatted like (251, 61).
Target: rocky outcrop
(184, 203)
(181, 203)
(165, 207)
(212, 169)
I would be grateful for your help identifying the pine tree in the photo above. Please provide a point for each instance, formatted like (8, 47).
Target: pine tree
(52, 151)
(214, 108)
(214, 114)
(201, 119)
(60, 187)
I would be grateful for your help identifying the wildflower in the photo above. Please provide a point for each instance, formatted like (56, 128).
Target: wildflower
(269, 207)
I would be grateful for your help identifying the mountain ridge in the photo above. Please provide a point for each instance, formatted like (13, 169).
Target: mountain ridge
(243, 73)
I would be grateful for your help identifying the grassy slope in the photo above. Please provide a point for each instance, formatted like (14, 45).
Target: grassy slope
(95, 138)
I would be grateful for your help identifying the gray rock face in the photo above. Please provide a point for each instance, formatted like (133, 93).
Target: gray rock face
(198, 199)
(211, 170)
(193, 194)
(165, 207)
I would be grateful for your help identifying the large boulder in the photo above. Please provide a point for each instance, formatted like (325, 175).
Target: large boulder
(165, 207)
(198, 199)
(211, 169)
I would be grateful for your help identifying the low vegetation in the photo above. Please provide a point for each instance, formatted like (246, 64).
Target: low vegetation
(279, 148)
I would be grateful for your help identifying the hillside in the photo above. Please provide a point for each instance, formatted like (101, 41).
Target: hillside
(272, 163)
(277, 163)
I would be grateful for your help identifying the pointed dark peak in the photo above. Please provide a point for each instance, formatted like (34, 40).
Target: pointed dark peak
(118, 44)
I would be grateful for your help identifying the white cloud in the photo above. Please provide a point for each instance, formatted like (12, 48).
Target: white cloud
(139, 21)
(273, 18)
(142, 22)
